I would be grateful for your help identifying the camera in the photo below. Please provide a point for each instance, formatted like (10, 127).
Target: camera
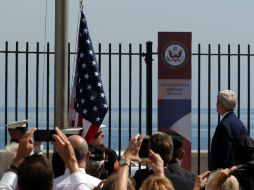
(144, 148)
(44, 135)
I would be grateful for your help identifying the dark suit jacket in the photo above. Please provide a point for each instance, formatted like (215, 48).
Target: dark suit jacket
(179, 182)
(228, 130)
(173, 167)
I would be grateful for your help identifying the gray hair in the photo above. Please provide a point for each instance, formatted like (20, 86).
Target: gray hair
(228, 99)
(94, 167)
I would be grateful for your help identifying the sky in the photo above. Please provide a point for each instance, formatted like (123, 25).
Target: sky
(131, 21)
(127, 21)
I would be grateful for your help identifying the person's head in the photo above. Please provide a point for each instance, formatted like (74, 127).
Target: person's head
(95, 167)
(226, 101)
(243, 150)
(178, 151)
(161, 143)
(35, 172)
(231, 184)
(109, 183)
(81, 150)
(157, 183)
(95, 164)
(99, 136)
(17, 130)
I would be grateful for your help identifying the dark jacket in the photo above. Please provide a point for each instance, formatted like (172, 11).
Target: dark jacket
(228, 130)
(179, 182)
(173, 167)
(245, 175)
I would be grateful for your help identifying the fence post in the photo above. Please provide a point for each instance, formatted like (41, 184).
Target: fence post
(149, 85)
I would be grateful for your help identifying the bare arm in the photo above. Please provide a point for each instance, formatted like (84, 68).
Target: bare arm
(201, 180)
(65, 150)
(130, 154)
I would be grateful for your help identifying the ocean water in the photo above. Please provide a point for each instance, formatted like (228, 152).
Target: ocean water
(123, 125)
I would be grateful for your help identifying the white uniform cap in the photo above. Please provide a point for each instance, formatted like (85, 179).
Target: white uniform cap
(100, 130)
(17, 124)
(72, 131)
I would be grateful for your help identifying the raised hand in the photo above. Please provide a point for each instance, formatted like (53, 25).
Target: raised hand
(156, 163)
(65, 150)
(26, 146)
(131, 153)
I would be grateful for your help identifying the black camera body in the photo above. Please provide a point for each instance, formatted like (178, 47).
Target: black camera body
(44, 135)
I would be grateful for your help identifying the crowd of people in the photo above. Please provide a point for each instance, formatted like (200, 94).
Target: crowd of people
(78, 165)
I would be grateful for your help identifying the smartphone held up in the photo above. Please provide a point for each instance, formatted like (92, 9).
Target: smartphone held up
(144, 149)
(43, 135)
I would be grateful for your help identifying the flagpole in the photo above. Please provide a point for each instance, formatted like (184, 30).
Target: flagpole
(61, 64)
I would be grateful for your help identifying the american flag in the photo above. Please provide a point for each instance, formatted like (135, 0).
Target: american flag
(88, 105)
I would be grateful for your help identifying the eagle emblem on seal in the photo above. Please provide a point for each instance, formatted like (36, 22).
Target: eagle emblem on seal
(174, 55)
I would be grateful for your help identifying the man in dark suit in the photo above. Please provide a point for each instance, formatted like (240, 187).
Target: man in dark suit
(229, 129)
(174, 165)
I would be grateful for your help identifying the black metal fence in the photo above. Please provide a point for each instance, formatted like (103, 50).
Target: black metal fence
(129, 75)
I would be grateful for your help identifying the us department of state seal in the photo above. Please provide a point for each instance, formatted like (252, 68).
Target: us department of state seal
(174, 55)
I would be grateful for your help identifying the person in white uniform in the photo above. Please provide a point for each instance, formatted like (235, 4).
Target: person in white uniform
(24, 163)
(16, 130)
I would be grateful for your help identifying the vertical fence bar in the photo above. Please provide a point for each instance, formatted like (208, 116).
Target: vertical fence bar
(219, 68)
(120, 101)
(140, 89)
(219, 74)
(248, 96)
(199, 100)
(239, 80)
(37, 84)
(27, 77)
(209, 102)
(47, 93)
(229, 64)
(69, 80)
(130, 84)
(149, 85)
(110, 94)
(6, 92)
(16, 80)
(148, 58)
(99, 57)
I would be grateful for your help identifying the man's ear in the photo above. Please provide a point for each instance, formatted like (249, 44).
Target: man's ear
(181, 154)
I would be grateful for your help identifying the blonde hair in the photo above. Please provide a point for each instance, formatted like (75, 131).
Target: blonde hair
(231, 184)
(157, 183)
(109, 183)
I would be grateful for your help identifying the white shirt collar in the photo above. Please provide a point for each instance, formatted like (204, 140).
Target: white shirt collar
(222, 116)
(82, 170)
